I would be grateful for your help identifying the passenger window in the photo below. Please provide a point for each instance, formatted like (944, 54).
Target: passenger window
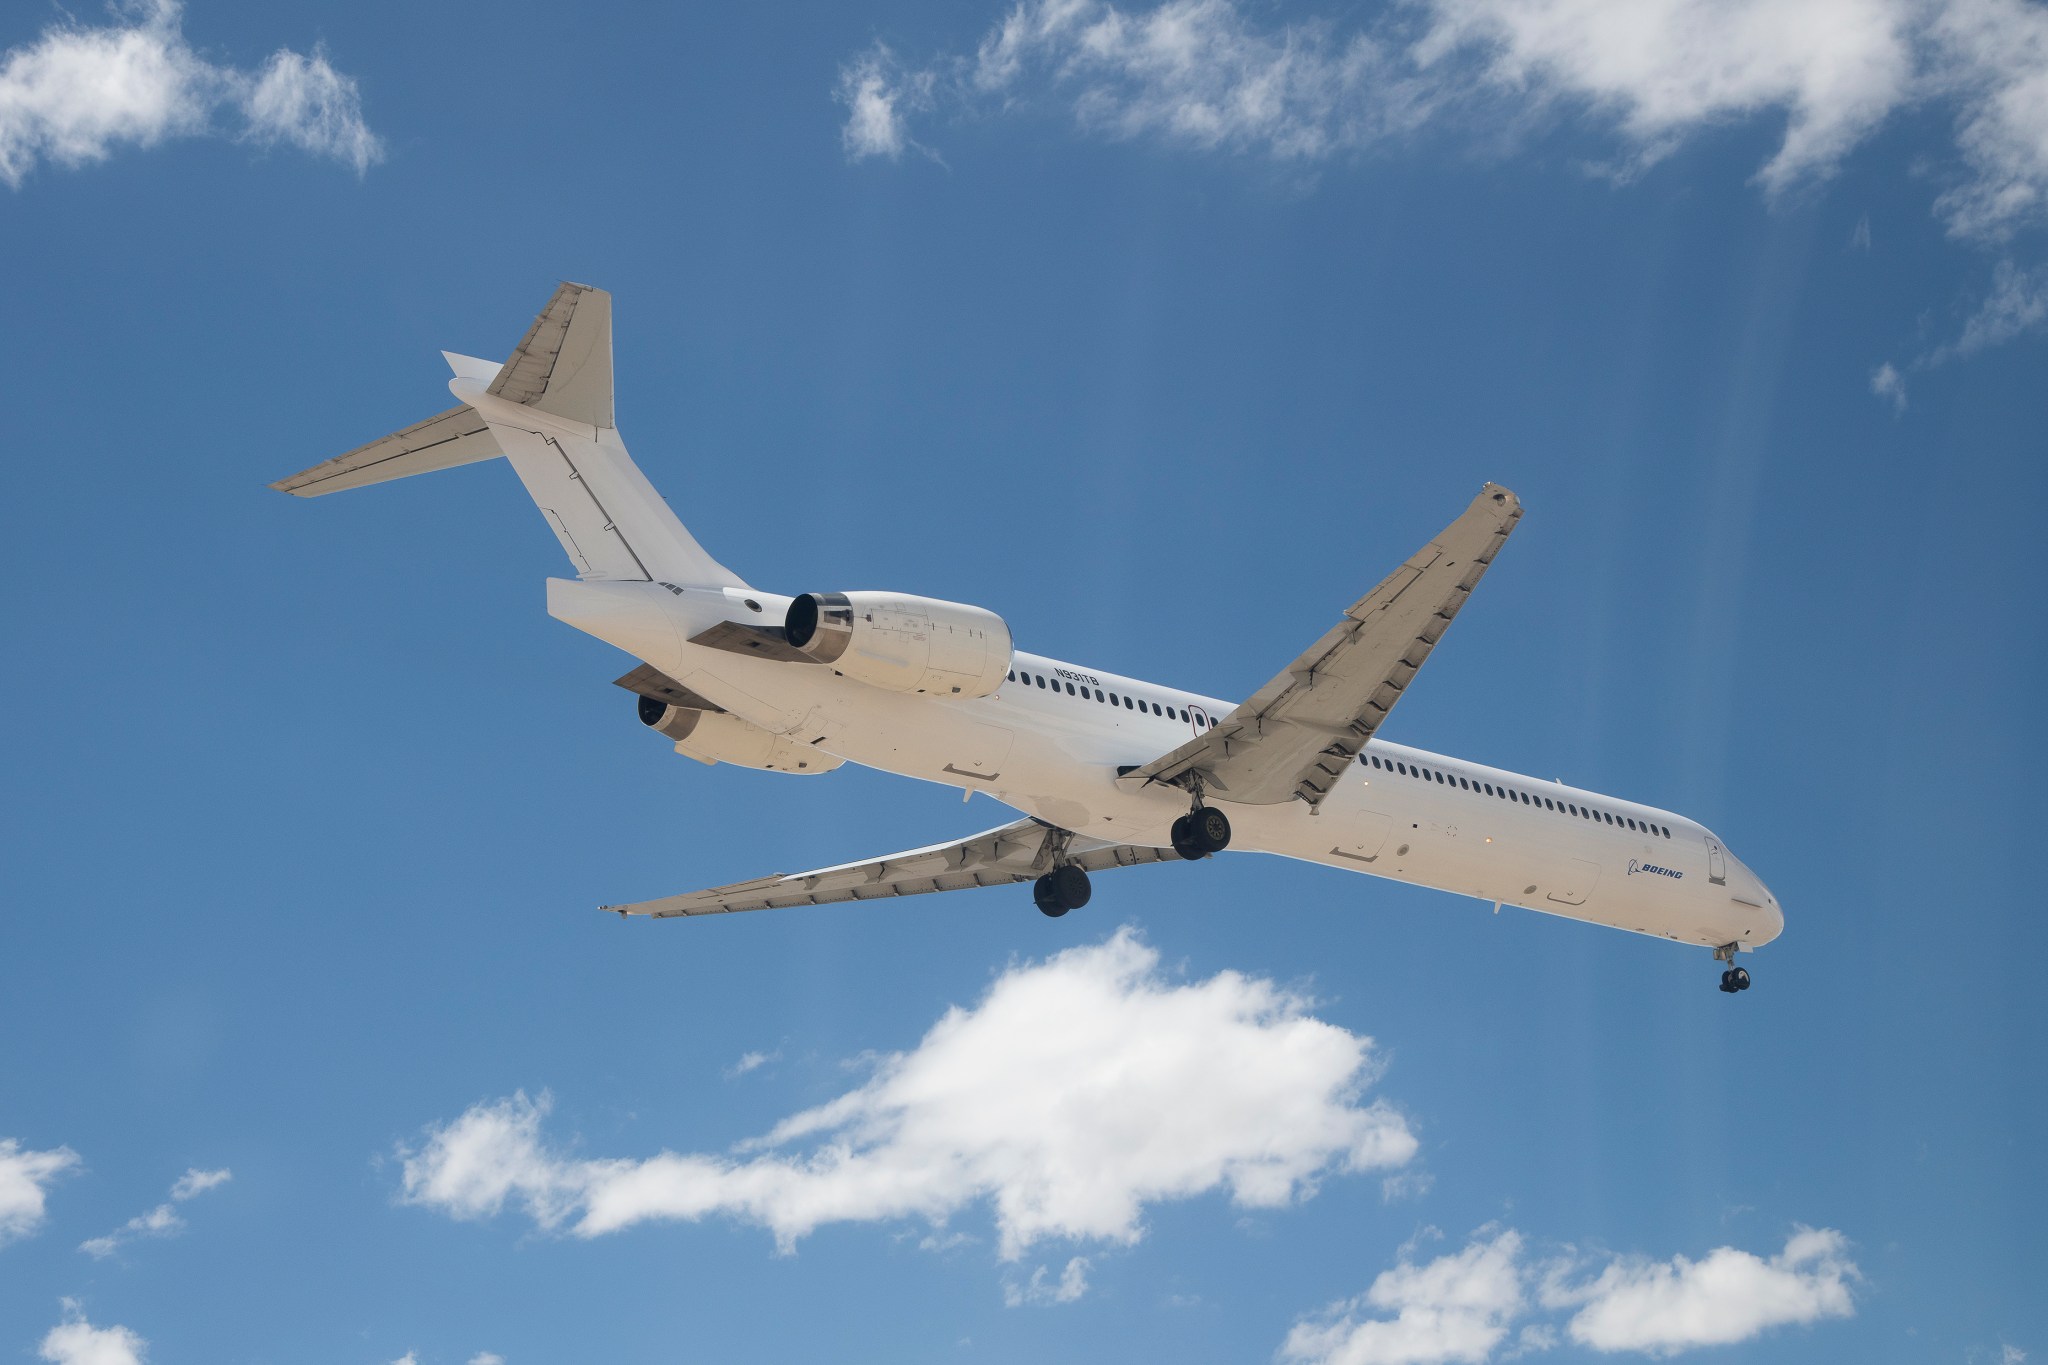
(1098, 694)
(1070, 689)
(1463, 783)
(1011, 676)
(1129, 705)
(1040, 679)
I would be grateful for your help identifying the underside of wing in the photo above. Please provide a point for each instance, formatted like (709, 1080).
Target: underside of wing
(1018, 852)
(1299, 732)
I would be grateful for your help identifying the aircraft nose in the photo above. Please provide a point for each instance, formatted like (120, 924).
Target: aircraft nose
(1774, 918)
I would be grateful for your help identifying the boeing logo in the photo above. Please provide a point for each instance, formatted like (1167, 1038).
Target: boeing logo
(1635, 867)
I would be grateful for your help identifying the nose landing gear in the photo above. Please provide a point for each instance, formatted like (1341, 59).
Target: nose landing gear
(1735, 979)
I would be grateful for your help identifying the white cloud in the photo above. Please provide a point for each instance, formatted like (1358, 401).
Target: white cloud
(409, 1358)
(487, 1358)
(307, 103)
(1076, 1092)
(877, 92)
(2009, 1354)
(1222, 74)
(1457, 1307)
(1994, 58)
(751, 1061)
(77, 93)
(1042, 1288)
(1664, 69)
(1728, 1296)
(25, 1177)
(2018, 302)
(161, 1221)
(197, 1182)
(1887, 383)
(77, 1342)
(1462, 1307)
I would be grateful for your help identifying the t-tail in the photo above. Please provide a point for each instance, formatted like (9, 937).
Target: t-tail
(547, 410)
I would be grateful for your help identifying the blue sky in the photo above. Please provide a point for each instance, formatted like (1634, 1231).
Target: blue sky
(1163, 331)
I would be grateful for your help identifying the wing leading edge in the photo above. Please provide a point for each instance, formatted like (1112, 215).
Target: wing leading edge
(1299, 732)
(1019, 852)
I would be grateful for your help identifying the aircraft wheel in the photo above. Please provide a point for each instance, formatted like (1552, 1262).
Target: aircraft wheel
(1741, 979)
(1071, 883)
(1183, 837)
(1062, 889)
(1211, 828)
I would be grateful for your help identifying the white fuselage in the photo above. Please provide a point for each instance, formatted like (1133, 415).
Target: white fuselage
(1053, 749)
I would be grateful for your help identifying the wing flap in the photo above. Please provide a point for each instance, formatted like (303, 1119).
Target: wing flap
(1017, 852)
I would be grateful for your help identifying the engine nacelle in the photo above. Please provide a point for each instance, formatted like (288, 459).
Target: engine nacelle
(902, 643)
(720, 737)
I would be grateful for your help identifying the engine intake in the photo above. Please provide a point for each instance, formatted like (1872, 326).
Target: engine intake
(902, 643)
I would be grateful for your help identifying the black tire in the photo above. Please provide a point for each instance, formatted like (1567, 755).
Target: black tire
(1070, 884)
(1211, 828)
(1741, 978)
(1183, 837)
(1728, 986)
(1046, 896)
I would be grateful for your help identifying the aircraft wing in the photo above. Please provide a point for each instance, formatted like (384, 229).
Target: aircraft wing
(1299, 732)
(1018, 852)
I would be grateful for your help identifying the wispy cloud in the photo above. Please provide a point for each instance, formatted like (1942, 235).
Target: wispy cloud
(1076, 1092)
(75, 1341)
(25, 1178)
(161, 1221)
(750, 1062)
(1225, 75)
(1466, 1306)
(78, 93)
(1043, 1288)
(2016, 304)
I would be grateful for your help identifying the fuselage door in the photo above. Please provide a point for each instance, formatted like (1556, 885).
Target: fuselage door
(1717, 862)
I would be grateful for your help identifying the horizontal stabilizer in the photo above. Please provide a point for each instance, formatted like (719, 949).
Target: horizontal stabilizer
(456, 437)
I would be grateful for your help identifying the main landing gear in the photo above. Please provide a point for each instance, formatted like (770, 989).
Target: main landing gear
(1735, 978)
(1202, 831)
(1062, 889)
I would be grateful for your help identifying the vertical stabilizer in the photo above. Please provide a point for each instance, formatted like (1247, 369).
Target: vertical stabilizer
(548, 410)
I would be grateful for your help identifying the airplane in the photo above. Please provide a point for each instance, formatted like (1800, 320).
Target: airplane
(1108, 771)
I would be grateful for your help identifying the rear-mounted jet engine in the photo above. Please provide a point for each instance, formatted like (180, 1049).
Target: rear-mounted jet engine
(720, 737)
(902, 643)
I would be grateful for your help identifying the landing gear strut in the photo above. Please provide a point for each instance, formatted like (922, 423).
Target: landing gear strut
(1202, 831)
(1735, 978)
(1062, 889)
